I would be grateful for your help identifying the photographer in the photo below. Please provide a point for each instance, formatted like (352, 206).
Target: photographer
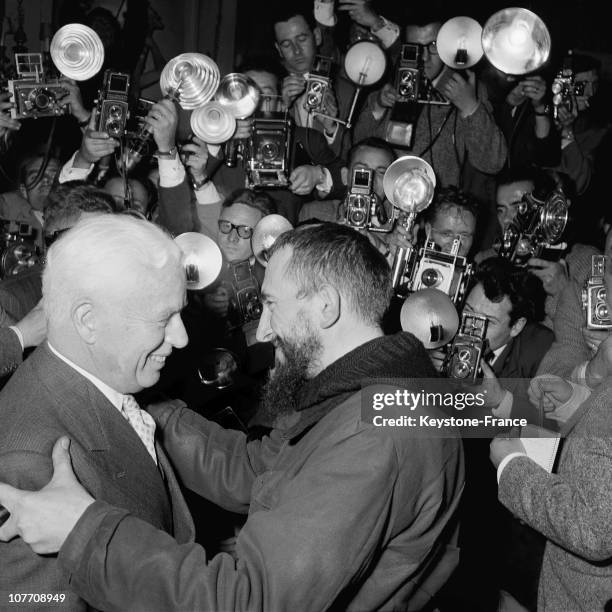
(316, 171)
(512, 186)
(450, 138)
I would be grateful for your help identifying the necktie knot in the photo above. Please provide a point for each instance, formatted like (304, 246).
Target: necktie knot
(142, 423)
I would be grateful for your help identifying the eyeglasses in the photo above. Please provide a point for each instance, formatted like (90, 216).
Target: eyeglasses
(432, 47)
(243, 231)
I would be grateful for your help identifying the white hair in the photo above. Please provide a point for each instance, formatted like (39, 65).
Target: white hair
(97, 255)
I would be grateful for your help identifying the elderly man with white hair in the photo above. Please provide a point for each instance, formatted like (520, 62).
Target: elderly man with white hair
(113, 290)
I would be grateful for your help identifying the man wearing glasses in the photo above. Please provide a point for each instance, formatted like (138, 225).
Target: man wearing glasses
(450, 137)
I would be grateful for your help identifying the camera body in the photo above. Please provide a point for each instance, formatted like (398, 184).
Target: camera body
(18, 250)
(244, 294)
(536, 229)
(563, 88)
(468, 348)
(363, 208)
(594, 301)
(409, 75)
(32, 95)
(268, 150)
(447, 272)
(112, 104)
(317, 83)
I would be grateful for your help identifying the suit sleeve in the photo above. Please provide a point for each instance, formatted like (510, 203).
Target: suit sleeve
(177, 209)
(320, 527)
(574, 513)
(321, 154)
(483, 140)
(569, 349)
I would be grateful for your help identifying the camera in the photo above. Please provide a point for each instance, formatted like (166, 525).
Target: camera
(244, 294)
(447, 272)
(268, 150)
(409, 73)
(363, 208)
(32, 95)
(563, 88)
(594, 301)
(536, 230)
(18, 250)
(468, 348)
(112, 104)
(317, 83)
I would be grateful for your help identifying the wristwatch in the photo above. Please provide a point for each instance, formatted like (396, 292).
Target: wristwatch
(171, 154)
(199, 183)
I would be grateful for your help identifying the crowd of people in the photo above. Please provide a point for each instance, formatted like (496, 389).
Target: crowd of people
(165, 449)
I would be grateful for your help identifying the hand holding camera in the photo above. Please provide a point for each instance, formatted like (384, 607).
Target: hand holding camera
(492, 390)
(244, 129)
(6, 122)
(163, 119)
(461, 92)
(600, 367)
(94, 146)
(293, 87)
(386, 98)
(552, 274)
(74, 99)
(329, 107)
(594, 337)
(194, 156)
(305, 178)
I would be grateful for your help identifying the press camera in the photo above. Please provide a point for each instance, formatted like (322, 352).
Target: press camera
(268, 151)
(430, 268)
(594, 301)
(468, 348)
(112, 104)
(18, 250)
(317, 83)
(32, 94)
(564, 88)
(536, 230)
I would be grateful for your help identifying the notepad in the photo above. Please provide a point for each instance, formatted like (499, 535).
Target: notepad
(541, 445)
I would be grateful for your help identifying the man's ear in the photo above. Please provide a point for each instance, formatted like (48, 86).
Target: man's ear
(328, 304)
(518, 326)
(344, 175)
(427, 227)
(84, 321)
(278, 50)
(318, 36)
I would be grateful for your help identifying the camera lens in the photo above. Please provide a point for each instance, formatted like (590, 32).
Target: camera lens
(601, 294)
(42, 99)
(269, 150)
(601, 311)
(357, 217)
(113, 128)
(430, 277)
(460, 368)
(116, 112)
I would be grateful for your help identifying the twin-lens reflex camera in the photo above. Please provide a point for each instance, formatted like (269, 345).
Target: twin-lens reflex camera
(468, 348)
(594, 300)
(364, 210)
(18, 250)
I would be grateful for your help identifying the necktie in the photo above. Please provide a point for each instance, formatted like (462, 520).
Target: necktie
(141, 421)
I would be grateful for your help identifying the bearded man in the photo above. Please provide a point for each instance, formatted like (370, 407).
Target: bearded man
(342, 514)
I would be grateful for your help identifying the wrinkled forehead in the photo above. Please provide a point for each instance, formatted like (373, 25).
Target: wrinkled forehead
(422, 35)
(277, 281)
(449, 212)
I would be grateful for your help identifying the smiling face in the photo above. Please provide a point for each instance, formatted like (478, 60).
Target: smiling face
(140, 324)
(296, 44)
(287, 319)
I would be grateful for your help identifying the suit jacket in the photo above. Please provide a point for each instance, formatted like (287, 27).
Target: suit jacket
(45, 399)
(571, 508)
(10, 351)
(19, 294)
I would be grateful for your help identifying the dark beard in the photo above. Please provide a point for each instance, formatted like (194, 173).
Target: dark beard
(281, 391)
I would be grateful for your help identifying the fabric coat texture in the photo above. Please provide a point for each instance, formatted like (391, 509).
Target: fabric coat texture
(571, 508)
(342, 514)
(44, 400)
